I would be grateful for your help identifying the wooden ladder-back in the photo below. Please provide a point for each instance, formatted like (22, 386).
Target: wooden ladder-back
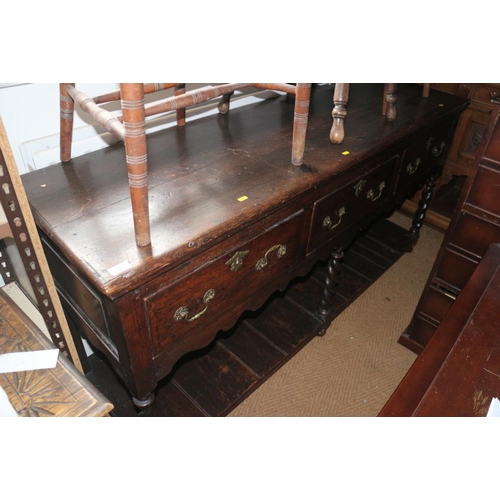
(130, 126)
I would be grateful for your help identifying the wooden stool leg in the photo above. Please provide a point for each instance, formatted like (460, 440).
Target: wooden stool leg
(224, 103)
(180, 89)
(300, 119)
(340, 100)
(389, 108)
(67, 107)
(132, 95)
(426, 90)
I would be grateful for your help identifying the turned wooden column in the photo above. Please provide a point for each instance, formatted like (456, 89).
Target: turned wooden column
(340, 100)
(132, 97)
(300, 119)
(390, 98)
(423, 206)
(180, 89)
(67, 108)
(331, 282)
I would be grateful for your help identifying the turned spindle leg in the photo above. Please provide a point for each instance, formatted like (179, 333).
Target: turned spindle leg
(340, 100)
(224, 103)
(331, 282)
(300, 119)
(180, 89)
(67, 107)
(423, 205)
(390, 98)
(132, 95)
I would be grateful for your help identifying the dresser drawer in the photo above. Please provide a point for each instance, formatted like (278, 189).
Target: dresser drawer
(484, 92)
(474, 235)
(195, 300)
(423, 156)
(338, 210)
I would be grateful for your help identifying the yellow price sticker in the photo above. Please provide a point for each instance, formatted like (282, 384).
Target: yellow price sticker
(345, 153)
(243, 198)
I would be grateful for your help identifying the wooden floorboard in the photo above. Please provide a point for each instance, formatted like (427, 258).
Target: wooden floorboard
(214, 380)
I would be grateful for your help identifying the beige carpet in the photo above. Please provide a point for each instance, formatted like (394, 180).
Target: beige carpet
(356, 366)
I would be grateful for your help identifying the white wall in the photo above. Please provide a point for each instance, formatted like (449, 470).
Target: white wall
(30, 113)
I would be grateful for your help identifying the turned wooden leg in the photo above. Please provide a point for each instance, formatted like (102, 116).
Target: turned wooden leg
(146, 405)
(340, 100)
(300, 119)
(180, 89)
(423, 206)
(67, 107)
(136, 154)
(224, 103)
(331, 281)
(390, 98)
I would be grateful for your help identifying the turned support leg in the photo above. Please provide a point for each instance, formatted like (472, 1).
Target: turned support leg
(389, 105)
(224, 103)
(180, 89)
(331, 282)
(340, 100)
(423, 206)
(146, 405)
(300, 119)
(136, 156)
(67, 107)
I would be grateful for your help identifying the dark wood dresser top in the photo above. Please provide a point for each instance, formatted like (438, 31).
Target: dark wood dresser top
(198, 174)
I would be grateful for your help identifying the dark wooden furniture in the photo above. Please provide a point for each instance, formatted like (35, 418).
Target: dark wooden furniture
(131, 127)
(474, 226)
(458, 372)
(470, 130)
(232, 221)
(213, 381)
(57, 392)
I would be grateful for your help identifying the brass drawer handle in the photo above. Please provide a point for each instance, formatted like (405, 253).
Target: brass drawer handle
(262, 263)
(183, 311)
(438, 152)
(371, 195)
(328, 221)
(412, 168)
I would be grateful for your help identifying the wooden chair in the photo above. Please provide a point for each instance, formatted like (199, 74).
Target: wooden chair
(341, 98)
(130, 126)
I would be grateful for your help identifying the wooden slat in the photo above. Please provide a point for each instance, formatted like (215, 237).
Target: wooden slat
(25, 233)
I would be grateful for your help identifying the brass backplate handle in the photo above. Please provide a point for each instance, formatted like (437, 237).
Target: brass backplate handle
(411, 168)
(332, 225)
(438, 151)
(261, 263)
(183, 312)
(372, 196)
